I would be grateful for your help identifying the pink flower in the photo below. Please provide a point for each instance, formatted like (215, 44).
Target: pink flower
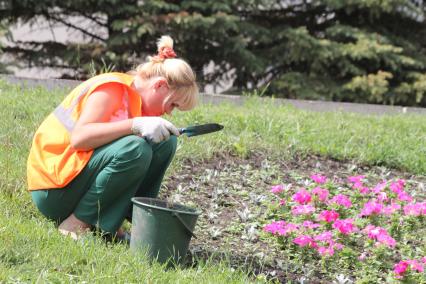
(345, 226)
(379, 187)
(326, 236)
(305, 240)
(356, 179)
(358, 185)
(362, 256)
(397, 186)
(321, 193)
(379, 234)
(386, 240)
(310, 225)
(424, 260)
(400, 268)
(288, 228)
(338, 246)
(303, 209)
(414, 209)
(302, 196)
(371, 207)
(280, 228)
(423, 207)
(382, 197)
(415, 265)
(274, 227)
(328, 216)
(282, 202)
(319, 179)
(390, 209)
(276, 189)
(404, 196)
(342, 200)
(326, 251)
(373, 231)
(363, 189)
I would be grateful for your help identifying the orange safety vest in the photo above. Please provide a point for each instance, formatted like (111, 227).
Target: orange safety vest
(52, 162)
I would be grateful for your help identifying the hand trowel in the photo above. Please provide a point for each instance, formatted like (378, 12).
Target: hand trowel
(200, 129)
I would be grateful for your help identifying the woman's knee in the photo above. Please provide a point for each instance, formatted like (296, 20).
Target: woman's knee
(164, 152)
(51, 205)
(170, 145)
(133, 149)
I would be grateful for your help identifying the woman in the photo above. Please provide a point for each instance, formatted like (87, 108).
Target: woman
(106, 143)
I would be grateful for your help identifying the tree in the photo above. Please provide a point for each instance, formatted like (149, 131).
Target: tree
(3, 28)
(349, 42)
(357, 50)
(2, 67)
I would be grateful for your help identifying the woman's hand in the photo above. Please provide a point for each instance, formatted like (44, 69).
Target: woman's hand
(153, 128)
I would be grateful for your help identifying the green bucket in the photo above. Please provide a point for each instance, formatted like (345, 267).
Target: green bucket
(162, 228)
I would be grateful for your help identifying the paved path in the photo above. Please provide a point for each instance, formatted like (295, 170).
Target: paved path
(216, 98)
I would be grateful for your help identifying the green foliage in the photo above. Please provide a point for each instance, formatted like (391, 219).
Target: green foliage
(372, 87)
(312, 49)
(296, 85)
(2, 33)
(104, 68)
(417, 86)
(376, 7)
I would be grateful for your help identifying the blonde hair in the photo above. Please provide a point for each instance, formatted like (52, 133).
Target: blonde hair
(179, 75)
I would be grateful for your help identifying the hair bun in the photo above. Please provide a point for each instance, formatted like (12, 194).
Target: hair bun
(164, 41)
(165, 49)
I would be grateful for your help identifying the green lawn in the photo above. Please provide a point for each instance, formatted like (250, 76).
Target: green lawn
(396, 141)
(31, 249)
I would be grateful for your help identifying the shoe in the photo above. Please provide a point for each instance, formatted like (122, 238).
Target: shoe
(124, 238)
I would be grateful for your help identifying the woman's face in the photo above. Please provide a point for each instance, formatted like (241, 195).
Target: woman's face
(157, 99)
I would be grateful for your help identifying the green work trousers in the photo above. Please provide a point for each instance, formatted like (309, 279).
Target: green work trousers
(100, 195)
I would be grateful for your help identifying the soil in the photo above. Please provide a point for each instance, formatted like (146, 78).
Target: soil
(233, 194)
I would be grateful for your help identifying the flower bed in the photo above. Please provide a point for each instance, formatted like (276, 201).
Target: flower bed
(351, 230)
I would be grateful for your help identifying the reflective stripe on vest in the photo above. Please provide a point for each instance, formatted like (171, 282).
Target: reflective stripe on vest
(64, 115)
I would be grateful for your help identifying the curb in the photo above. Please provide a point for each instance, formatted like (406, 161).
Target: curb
(320, 106)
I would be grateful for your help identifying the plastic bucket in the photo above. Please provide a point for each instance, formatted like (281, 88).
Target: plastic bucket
(162, 228)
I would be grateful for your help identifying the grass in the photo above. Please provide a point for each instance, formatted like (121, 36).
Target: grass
(395, 141)
(31, 250)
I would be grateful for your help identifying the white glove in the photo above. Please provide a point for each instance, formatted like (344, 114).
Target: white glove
(153, 128)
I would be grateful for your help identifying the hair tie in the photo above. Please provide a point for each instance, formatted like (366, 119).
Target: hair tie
(167, 52)
(164, 53)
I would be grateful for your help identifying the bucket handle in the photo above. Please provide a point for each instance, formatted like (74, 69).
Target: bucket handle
(188, 230)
